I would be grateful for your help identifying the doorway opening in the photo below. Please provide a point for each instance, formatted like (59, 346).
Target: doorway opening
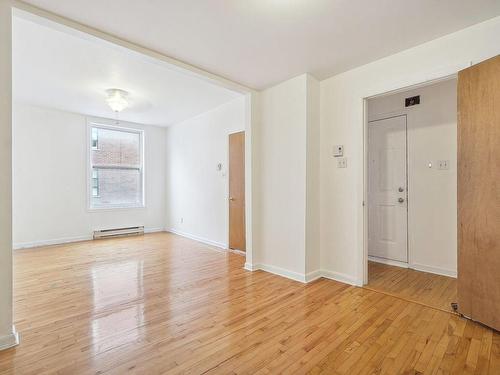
(137, 165)
(411, 190)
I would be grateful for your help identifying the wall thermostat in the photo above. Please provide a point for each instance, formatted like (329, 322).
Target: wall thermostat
(338, 151)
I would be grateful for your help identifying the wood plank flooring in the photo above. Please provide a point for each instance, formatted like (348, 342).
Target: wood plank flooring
(422, 287)
(163, 304)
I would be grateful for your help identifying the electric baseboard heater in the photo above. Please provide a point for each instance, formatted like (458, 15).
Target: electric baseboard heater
(118, 232)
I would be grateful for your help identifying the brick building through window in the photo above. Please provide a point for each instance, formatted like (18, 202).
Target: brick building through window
(116, 176)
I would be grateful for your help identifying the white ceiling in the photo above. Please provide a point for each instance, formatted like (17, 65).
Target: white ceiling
(262, 42)
(60, 68)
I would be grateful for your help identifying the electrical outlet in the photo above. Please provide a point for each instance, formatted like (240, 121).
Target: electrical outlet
(342, 163)
(443, 164)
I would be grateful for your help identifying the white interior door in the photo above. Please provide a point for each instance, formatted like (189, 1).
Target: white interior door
(387, 189)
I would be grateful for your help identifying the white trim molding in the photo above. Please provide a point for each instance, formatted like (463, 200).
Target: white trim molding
(434, 270)
(303, 278)
(297, 276)
(389, 262)
(197, 238)
(9, 341)
(416, 266)
(314, 275)
(340, 277)
(65, 240)
(154, 230)
(55, 241)
(251, 267)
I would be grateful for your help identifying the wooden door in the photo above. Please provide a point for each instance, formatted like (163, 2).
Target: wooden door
(387, 198)
(479, 192)
(237, 191)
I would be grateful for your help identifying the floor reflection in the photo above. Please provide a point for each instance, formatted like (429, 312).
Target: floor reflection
(117, 283)
(118, 292)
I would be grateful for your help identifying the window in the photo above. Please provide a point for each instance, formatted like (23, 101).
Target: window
(95, 183)
(116, 167)
(95, 139)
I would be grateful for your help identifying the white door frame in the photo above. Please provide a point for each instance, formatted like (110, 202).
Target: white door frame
(364, 224)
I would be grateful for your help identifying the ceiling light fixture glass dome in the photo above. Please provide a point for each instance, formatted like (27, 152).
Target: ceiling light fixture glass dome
(117, 99)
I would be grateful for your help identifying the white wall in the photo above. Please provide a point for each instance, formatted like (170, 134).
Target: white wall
(432, 193)
(312, 177)
(342, 119)
(282, 176)
(50, 186)
(196, 191)
(286, 180)
(7, 336)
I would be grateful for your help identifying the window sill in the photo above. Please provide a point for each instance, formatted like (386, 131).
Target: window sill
(115, 208)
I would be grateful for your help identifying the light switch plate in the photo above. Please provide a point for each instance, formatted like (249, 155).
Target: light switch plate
(342, 163)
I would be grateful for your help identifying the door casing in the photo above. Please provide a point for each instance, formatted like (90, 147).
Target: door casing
(363, 264)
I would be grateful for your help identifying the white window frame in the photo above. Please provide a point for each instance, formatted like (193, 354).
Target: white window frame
(92, 140)
(92, 182)
(102, 124)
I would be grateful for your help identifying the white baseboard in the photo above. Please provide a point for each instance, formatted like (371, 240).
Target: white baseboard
(197, 238)
(154, 230)
(251, 267)
(341, 277)
(416, 266)
(56, 241)
(314, 275)
(435, 270)
(276, 271)
(303, 278)
(283, 272)
(389, 262)
(10, 340)
(60, 241)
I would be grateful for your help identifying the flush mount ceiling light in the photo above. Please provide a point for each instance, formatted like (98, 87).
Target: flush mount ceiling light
(117, 99)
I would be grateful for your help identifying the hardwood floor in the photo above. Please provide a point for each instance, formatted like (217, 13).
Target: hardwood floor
(165, 304)
(422, 287)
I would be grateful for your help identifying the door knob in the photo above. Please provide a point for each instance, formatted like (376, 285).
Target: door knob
(401, 200)
(401, 189)
(231, 198)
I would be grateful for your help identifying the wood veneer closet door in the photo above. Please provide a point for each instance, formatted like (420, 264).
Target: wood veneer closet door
(237, 229)
(479, 192)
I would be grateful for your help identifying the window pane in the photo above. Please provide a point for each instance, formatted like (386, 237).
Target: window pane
(117, 148)
(116, 168)
(119, 187)
(95, 138)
